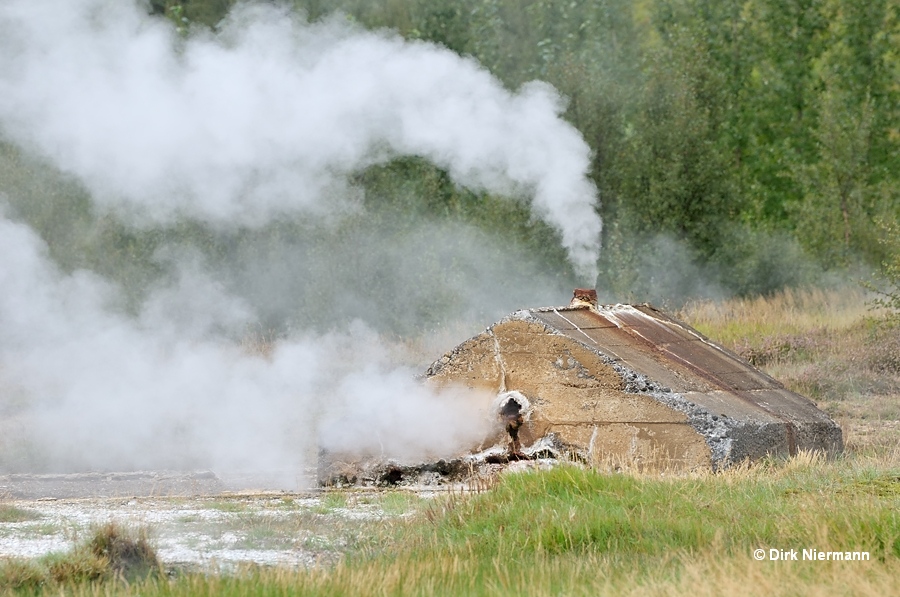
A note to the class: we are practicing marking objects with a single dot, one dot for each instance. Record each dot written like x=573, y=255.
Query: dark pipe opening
x=511, y=415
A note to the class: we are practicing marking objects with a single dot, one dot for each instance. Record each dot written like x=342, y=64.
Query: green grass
x=41, y=528
x=397, y=503
x=16, y=514
x=228, y=506
x=579, y=532
x=111, y=554
x=574, y=531
x=331, y=500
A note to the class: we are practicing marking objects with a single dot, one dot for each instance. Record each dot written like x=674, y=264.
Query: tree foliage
x=713, y=123
x=750, y=142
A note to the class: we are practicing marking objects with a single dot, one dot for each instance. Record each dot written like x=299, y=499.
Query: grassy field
x=571, y=531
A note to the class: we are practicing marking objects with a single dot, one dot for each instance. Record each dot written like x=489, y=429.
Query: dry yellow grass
x=710, y=574
x=788, y=312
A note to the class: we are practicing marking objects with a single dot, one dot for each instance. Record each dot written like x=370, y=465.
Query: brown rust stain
x=684, y=351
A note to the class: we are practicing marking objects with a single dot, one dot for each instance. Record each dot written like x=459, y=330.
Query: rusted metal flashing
x=623, y=318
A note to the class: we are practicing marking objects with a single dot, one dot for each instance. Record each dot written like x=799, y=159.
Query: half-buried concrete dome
x=629, y=383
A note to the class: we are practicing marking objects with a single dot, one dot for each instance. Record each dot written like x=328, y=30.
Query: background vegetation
x=740, y=147
x=755, y=141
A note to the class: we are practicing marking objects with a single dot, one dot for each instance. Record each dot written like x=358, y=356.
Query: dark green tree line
x=761, y=138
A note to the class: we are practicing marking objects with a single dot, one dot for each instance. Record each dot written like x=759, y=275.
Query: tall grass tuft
x=125, y=553
x=111, y=553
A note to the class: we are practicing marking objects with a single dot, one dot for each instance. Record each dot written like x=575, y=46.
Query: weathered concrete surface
x=630, y=384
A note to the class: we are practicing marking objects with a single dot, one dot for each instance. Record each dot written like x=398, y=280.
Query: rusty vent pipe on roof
x=584, y=297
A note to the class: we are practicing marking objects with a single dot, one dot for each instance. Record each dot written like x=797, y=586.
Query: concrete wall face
x=649, y=391
x=574, y=395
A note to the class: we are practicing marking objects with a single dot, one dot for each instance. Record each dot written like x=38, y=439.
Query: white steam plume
x=110, y=392
x=237, y=129
x=271, y=114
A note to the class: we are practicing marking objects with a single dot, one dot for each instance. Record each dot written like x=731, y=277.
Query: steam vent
x=627, y=383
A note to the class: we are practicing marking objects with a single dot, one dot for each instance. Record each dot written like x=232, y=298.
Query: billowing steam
x=264, y=119
x=115, y=392
x=272, y=114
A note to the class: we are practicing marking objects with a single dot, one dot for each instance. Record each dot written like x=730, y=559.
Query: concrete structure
x=628, y=383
